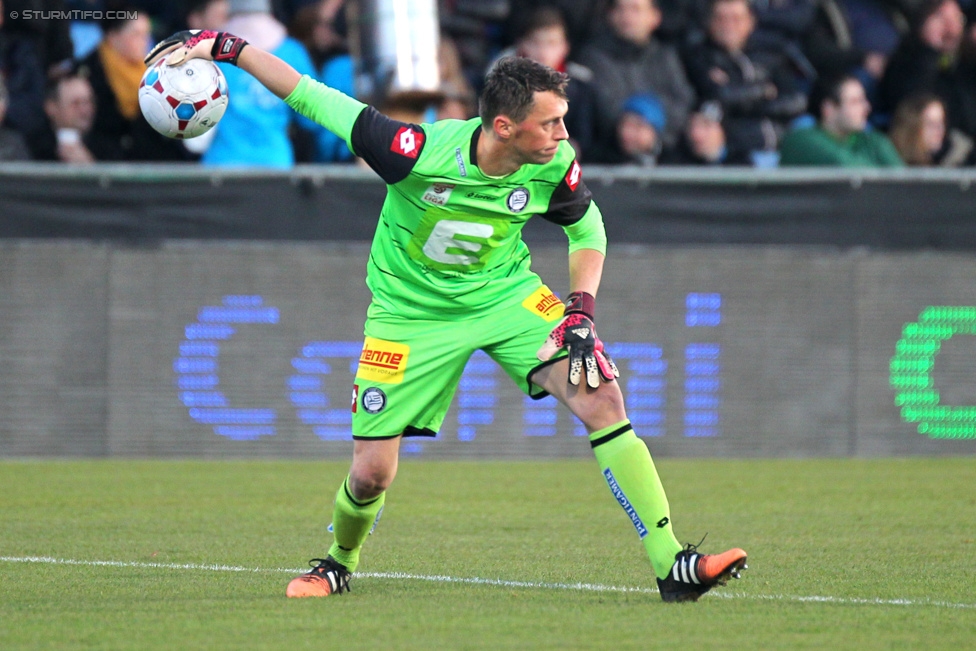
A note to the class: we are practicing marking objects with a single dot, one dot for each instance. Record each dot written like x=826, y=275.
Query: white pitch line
x=583, y=587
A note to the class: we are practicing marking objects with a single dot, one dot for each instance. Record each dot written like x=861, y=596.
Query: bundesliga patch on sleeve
x=407, y=142
x=544, y=303
x=573, y=176
x=382, y=361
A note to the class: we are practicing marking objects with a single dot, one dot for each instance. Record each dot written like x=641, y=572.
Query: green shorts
x=409, y=369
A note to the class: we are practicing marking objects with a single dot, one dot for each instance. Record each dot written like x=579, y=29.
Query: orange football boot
x=328, y=577
x=694, y=574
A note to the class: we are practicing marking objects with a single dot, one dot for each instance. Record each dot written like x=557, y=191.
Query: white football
x=183, y=101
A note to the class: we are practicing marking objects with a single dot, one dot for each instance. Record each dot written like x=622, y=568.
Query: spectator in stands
x=921, y=134
x=22, y=71
x=114, y=70
x=783, y=23
x=638, y=141
x=755, y=84
x=49, y=35
x=841, y=137
x=70, y=111
x=543, y=38
x=856, y=37
x=12, y=145
x=925, y=59
x=581, y=17
x=477, y=28
x=704, y=141
x=627, y=60
x=255, y=129
x=320, y=27
x=206, y=14
x=961, y=100
x=459, y=101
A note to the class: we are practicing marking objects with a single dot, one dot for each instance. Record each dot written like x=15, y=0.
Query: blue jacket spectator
x=255, y=129
x=321, y=28
x=336, y=72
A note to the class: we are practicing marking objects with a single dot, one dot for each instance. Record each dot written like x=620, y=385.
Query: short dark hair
x=713, y=3
x=121, y=12
x=52, y=92
x=511, y=84
x=922, y=12
x=540, y=18
x=612, y=4
x=828, y=89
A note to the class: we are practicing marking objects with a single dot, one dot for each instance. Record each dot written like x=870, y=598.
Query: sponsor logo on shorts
x=625, y=503
x=355, y=397
x=438, y=194
x=382, y=361
x=517, y=200
x=544, y=303
x=374, y=400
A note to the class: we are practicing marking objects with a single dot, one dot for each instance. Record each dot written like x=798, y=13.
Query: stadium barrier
x=130, y=329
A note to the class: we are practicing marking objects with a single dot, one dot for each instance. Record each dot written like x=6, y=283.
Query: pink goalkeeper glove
x=198, y=44
x=577, y=334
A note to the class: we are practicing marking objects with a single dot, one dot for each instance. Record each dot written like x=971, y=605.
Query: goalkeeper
x=449, y=275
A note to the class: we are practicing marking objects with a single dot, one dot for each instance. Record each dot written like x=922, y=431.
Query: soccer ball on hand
x=183, y=101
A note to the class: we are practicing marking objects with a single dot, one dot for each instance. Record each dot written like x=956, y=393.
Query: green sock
x=632, y=477
x=352, y=521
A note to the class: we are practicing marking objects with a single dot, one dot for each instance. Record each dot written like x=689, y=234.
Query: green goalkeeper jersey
x=448, y=242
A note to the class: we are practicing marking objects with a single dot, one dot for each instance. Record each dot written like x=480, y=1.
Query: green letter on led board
x=911, y=373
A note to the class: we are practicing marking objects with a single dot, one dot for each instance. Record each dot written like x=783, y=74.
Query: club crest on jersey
x=438, y=194
x=374, y=400
x=407, y=142
x=517, y=200
x=573, y=176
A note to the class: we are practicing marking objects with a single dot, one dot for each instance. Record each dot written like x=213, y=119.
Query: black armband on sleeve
x=390, y=147
x=570, y=200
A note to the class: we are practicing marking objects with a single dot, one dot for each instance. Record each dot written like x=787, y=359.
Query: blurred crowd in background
x=761, y=83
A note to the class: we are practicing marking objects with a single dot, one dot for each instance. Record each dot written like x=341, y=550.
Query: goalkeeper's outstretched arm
x=332, y=109
x=276, y=75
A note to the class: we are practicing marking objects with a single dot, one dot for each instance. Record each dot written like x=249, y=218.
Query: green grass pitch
x=843, y=554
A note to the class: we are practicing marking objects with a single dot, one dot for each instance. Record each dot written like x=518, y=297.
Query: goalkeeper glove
x=198, y=44
x=577, y=334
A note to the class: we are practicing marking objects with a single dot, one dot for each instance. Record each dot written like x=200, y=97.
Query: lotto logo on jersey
x=382, y=361
x=407, y=142
x=544, y=303
x=573, y=176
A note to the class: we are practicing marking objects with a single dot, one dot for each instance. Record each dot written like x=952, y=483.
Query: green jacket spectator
x=816, y=146
x=840, y=138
